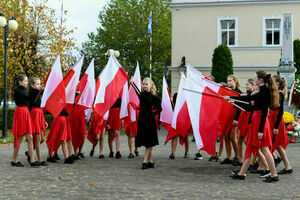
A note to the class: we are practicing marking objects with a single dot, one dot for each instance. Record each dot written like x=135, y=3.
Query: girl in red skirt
x=96, y=133
x=243, y=123
x=37, y=115
x=260, y=136
x=60, y=135
x=280, y=138
x=230, y=137
x=115, y=123
x=22, y=122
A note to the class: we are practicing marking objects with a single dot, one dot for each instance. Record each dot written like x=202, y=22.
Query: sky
x=82, y=14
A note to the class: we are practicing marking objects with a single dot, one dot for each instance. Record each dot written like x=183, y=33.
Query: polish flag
x=166, y=115
x=181, y=119
x=204, y=106
x=125, y=103
x=71, y=81
x=54, y=97
x=136, y=79
x=87, y=96
x=112, y=80
x=225, y=117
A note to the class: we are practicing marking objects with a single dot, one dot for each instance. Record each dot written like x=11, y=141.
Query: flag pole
x=151, y=44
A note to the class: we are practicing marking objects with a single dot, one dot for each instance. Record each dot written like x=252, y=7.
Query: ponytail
x=282, y=87
x=271, y=85
x=19, y=77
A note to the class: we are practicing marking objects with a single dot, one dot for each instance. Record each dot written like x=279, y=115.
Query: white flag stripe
x=88, y=94
x=125, y=101
x=54, y=79
x=167, y=112
x=180, y=99
x=72, y=85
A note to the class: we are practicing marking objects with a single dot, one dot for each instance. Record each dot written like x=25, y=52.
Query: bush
x=297, y=55
x=222, y=64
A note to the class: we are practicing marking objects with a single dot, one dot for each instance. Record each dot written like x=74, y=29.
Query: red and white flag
x=112, y=80
x=136, y=79
x=87, y=96
x=124, y=103
x=228, y=109
x=291, y=93
x=204, y=106
x=71, y=81
x=166, y=115
x=181, y=119
x=54, y=97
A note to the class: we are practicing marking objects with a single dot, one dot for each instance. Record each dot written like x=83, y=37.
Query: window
x=227, y=31
x=272, y=31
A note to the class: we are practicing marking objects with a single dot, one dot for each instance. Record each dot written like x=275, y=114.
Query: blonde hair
x=236, y=80
x=152, y=88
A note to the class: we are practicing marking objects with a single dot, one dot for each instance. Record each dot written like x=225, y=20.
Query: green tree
x=123, y=26
x=297, y=55
x=222, y=64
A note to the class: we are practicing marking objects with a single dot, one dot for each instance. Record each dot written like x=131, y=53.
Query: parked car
x=9, y=104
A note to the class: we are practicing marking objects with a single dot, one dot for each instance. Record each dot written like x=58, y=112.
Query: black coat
x=147, y=132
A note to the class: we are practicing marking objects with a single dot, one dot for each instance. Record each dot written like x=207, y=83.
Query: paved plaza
x=92, y=178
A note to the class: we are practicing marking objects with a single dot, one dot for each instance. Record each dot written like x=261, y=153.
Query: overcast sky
x=82, y=14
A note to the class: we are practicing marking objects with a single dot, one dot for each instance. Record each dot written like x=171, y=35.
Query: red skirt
x=131, y=129
x=253, y=143
x=282, y=137
x=243, y=125
x=38, y=120
x=78, y=127
x=22, y=123
x=114, y=120
x=60, y=131
x=229, y=124
x=96, y=127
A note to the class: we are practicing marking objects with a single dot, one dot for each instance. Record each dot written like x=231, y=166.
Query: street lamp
x=12, y=25
x=116, y=53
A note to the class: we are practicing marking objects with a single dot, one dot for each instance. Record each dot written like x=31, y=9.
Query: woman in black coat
x=147, y=129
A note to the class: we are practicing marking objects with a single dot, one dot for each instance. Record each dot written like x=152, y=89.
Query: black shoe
x=16, y=164
x=172, y=156
x=236, y=163
x=55, y=156
x=150, y=165
x=130, y=155
x=35, y=164
x=43, y=163
x=193, y=140
x=226, y=161
x=144, y=166
x=265, y=174
x=277, y=161
x=217, y=159
x=81, y=155
x=136, y=154
x=69, y=160
x=74, y=157
x=92, y=153
x=111, y=154
x=257, y=171
x=101, y=156
x=51, y=159
x=270, y=179
x=211, y=158
x=118, y=155
x=198, y=156
x=284, y=171
x=28, y=157
x=235, y=171
x=238, y=177
x=186, y=155
x=250, y=168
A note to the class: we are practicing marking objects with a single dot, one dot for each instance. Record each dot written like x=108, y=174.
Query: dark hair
x=269, y=81
x=19, y=77
x=282, y=84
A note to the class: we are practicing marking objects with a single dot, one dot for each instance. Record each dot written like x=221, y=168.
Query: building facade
x=252, y=29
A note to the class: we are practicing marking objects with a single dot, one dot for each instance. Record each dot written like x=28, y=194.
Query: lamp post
x=12, y=25
x=116, y=53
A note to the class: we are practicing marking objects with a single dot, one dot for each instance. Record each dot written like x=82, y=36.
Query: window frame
x=219, y=32
x=264, y=31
